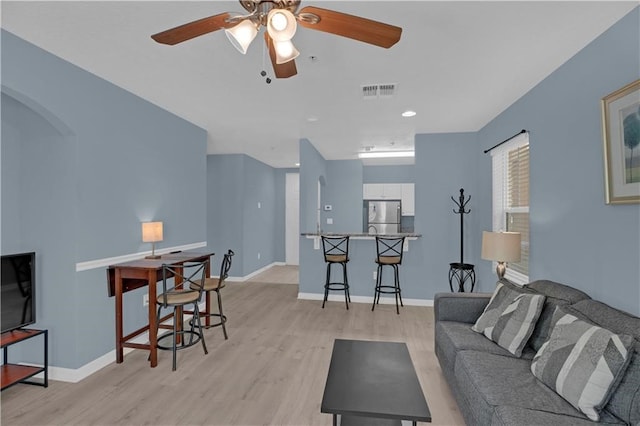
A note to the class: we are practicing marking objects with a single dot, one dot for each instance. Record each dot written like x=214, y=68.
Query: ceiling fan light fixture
x=281, y=24
x=285, y=51
x=242, y=35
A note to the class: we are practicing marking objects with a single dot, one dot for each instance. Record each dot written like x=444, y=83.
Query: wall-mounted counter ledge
x=315, y=236
x=359, y=235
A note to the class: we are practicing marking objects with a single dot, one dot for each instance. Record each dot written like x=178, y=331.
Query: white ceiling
x=458, y=64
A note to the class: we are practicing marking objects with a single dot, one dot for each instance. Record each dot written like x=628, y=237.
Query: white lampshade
x=501, y=246
x=281, y=24
x=151, y=232
x=242, y=35
x=285, y=51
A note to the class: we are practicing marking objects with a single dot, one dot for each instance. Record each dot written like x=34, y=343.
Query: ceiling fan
x=280, y=18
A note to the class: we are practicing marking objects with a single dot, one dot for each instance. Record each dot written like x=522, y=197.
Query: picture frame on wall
x=621, y=132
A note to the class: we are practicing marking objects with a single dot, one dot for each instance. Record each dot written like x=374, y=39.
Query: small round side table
x=461, y=272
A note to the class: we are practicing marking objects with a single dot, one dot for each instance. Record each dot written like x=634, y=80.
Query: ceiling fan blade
x=354, y=27
x=193, y=29
x=286, y=70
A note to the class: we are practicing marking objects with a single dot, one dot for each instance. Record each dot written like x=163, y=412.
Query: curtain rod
x=505, y=141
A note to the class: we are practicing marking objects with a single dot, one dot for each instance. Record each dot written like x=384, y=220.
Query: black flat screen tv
x=18, y=291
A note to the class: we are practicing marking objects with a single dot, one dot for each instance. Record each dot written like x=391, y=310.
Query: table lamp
x=152, y=233
x=501, y=247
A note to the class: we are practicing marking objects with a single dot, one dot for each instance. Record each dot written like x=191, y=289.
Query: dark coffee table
x=373, y=383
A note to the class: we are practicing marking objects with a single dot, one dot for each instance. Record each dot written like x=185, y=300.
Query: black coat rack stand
x=461, y=272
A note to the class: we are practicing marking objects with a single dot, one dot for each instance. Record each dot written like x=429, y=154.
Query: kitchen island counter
x=362, y=268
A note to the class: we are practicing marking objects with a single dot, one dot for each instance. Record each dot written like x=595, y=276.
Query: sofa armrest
x=460, y=307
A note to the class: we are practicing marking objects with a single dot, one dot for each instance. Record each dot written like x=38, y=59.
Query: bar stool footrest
x=223, y=320
x=182, y=345
x=336, y=286
x=387, y=289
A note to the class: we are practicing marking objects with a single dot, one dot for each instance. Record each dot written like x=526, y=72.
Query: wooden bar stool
x=389, y=253
x=336, y=252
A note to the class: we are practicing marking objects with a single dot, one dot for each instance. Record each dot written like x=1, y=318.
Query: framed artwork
x=621, y=131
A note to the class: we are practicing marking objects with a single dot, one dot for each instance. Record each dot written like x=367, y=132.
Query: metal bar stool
x=186, y=289
x=389, y=253
x=216, y=285
x=336, y=251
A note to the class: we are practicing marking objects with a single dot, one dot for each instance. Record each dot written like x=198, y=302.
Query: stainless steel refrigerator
x=382, y=217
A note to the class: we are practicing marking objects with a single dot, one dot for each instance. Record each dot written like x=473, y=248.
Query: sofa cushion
x=460, y=307
x=557, y=295
x=506, y=415
x=625, y=400
x=453, y=337
x=509, y=318
x=484, y=377
x=610, y=318
x=582, y=362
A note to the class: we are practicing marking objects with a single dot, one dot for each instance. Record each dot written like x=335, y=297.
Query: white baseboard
x=74, y=375
x=254, y=273
x=365, y=299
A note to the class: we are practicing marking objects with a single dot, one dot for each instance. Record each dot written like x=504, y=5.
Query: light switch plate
x=329, y=221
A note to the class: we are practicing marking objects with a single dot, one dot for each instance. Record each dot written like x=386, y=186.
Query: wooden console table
x=127, y=276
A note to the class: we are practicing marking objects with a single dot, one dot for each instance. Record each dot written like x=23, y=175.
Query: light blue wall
x=245, y=204
x=312, y=168
x=444, y=164
x=575, y=237
x=259, y=215
x=425, y=266
x=225, y=204
x=38, y=211
x=107, y=161
x=343, y=193
x=388, y=174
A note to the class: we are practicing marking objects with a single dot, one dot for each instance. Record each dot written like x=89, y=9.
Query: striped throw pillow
x=582, y=362
x=510, y=317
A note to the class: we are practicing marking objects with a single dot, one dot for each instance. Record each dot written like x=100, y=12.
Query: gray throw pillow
x=509, y=318
x=625, y=398
x=582, y=362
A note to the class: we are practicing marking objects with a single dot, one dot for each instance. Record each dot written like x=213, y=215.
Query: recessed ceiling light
x=312, y=119
x=386, y=154
x=297, y=164
x=408, y=113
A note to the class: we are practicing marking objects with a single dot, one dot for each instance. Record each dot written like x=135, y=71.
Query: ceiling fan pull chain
x=264, y=72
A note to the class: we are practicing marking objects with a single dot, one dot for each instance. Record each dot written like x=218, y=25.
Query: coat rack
x=460, y=271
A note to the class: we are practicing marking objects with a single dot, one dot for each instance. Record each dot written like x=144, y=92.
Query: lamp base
x=153, y=256
x=500, y=270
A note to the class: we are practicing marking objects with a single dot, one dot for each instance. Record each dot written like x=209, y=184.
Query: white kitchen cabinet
x=373, y=191
x=382, y=191
x=408, y=199
x=392, y=191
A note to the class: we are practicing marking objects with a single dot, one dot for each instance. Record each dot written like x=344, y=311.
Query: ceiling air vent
x=377, y=91
x=370, y=91
x=386, y=90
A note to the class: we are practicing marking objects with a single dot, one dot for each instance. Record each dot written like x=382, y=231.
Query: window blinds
x=510, y=163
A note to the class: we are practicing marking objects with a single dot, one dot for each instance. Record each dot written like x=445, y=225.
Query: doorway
x=292, y=218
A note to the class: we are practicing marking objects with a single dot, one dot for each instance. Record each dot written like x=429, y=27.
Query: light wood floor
x=271, y=371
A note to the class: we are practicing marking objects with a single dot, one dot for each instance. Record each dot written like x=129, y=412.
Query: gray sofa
x=493, y=387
